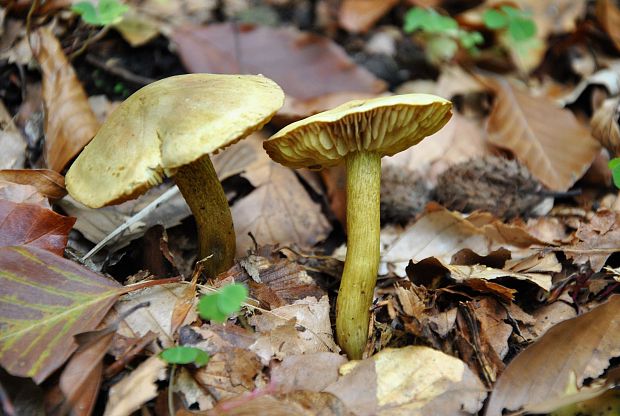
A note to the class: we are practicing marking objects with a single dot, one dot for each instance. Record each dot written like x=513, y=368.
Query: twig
x=89, y=41
x=119, y=72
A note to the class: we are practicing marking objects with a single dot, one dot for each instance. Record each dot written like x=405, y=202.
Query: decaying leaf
x=158, y=316
x=22, y=194
x=309, y=372
x=582, y=345
x=261, y=212
x=48, y=182
x=605, y=126
x=360, y=15
x=69, y=121
x=13, y=144
x=33, y=226
x=598, y=239
x=608, y=15
x=137, y=388
x=548, y=140
x=45, y=300
x=409, y=381
x=301, y=328
x=298, y=403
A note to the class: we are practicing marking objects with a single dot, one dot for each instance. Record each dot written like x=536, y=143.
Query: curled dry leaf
x=33, y=226
x=137, y=388
x=277, y=191
x=605, y=127
x=582, y=346
x=409, y=381
x=550, y=141
x=46, y=301
x=47, y=182
x=358, y=16
x=13, y=143
x=69, y=120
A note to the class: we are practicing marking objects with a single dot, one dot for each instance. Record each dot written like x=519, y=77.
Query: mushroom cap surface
x=386, y=125
x=165, y=125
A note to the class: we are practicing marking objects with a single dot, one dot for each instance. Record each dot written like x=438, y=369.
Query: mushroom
x=359, y=133
x=169, y=128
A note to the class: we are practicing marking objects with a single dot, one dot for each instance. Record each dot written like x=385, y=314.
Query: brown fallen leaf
x=409, y=381
x=22, y=194
x=13, y=143
x=550, y=141
x=278, y=192
x=33, y=226
x=48, y=182
x=46, y=300
x=597, y=239
x=605, y=127
x=287, y=56
x=608, y=15
x=582, y=346
x=309, y=372
x=298, y=403
x=358, y=16
x=300, y=328
x=137, y=388
x=69, y=121
x=81, y=378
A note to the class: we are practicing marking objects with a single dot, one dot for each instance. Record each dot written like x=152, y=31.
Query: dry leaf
x=550, y=141
x=137, y=388
x=582, y=346
x=300, y=328
x=279, y=210
x=13, y=144
x=25, y=194
x=48, y=182
x=605, y=127
x=608, y=15
x=358, y=16
x=460, y=140
x=309, y=372
x=69, y=121
x=409, y=381
x=158, y=316
x=305, y=65
x=298, y=403
x=597, y=240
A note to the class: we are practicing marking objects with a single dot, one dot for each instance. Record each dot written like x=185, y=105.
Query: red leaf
x=33, y=226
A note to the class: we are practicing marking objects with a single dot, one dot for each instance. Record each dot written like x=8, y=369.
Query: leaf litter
x=471, y=309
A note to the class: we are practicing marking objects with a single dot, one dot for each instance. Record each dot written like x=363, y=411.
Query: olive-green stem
x=362, y=261
x=203, y=193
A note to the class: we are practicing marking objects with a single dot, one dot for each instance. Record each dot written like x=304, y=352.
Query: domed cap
x=386, y=125
x=165, y=125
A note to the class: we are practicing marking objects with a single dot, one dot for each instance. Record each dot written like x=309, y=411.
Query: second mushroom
x=359, y=133
x=169, y=128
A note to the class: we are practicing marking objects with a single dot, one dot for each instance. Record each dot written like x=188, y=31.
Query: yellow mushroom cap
x=165, y=125
x=386, y=125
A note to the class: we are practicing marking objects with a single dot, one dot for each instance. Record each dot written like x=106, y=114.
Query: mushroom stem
x=203, y=193
x=362, y=261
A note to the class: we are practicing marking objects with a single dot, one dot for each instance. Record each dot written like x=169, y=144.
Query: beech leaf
x=44, y=301
x=33, y=226
x=582, y=345
x=70, y=122
x=549, y=140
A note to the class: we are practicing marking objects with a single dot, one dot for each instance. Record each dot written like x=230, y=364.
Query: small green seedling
x=517, y=24
x=217, y=307
x=223, y=303
x=185, y=355
x=442, y=33
x=106, y=12
x=614, y=166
